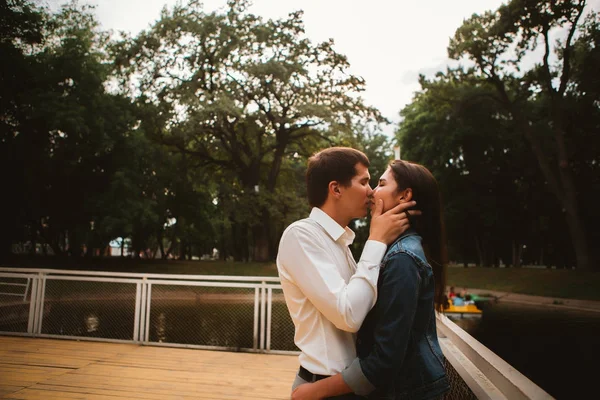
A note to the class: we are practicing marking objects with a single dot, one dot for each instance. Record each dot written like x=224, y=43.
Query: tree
x=22, y=26
x=243, y=95
x=467, y=141
x=497, y=43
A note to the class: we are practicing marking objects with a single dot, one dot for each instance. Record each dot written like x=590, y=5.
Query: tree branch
x=564, y=78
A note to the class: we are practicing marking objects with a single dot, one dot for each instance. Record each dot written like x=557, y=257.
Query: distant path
x=573, y=304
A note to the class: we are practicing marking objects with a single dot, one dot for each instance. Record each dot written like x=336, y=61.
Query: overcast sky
x=388, y=42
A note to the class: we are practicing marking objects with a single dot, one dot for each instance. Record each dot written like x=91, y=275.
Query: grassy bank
x=118, y=264
x=584, y=285
x=568, y=284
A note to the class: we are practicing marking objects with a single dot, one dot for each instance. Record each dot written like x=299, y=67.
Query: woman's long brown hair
x=430, y=225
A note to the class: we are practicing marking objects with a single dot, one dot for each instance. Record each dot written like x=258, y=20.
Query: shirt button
x=358, y=341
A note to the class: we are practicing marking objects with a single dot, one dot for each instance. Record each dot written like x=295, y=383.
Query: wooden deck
x=47, y=369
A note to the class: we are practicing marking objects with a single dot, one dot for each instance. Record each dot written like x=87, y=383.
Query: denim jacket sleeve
x=397, y=303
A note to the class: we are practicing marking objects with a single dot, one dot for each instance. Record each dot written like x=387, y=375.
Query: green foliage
x=468, y=126
x=190, y=136
x=194, y=134
x=244, y=97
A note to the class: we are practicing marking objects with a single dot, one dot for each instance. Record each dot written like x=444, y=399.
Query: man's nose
x=369, y=191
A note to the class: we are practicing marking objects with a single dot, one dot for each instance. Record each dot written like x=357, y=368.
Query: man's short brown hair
x=332, y=164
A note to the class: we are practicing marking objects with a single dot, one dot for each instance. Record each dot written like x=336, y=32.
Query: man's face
x=356, y=198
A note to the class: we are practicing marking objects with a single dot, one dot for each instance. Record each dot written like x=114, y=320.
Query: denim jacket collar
x=407, y=233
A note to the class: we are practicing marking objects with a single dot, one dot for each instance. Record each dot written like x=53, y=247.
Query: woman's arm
x=328, y=387
x=396, y=308
x=397, y=304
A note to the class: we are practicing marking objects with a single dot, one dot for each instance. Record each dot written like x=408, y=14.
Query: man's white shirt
x=327, y=293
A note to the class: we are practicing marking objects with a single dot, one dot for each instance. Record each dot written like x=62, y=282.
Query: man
x=327, y=293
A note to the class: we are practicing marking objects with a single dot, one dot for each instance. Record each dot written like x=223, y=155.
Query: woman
x=399, y=355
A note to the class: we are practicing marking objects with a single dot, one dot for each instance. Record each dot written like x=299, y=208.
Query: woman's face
x=387, y=190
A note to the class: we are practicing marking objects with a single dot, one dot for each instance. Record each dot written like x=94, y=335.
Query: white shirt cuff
x=373, y=253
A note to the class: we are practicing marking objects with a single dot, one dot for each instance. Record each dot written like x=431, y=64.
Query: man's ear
x=334, y=189
x=405, y=195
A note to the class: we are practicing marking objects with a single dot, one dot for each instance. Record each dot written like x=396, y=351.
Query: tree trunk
x=563, y=186
x=276, y=166
x=182, y=249
x=261, y=243
x=223, y=246
x=173, y=241
x=480, y=251
x=240, y=240
x=33, y=246
x=5, y=242
x=517, y=251
x=579, y=239
x=74, y=245
x=161, y=246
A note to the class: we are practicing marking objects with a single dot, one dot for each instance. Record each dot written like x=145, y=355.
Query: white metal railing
x=18, y=285
x=486, y=375
x=144, y=283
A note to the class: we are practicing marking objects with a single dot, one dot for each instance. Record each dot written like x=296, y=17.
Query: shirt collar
x=333, y=229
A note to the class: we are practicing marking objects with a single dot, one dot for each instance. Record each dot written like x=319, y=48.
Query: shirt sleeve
x=397, y=304
x=305, y=261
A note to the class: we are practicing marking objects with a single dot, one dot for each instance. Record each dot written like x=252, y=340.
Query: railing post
x=42, y=290
x=38, y=304
x=32, y=306
x=269, y=308
x=142, y=320
x=148, y=302
x=136, y=318
x=27, y=289
x=256, y=308
x=262, y=315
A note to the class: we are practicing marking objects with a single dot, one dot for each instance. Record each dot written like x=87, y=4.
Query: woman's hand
x=306, y=391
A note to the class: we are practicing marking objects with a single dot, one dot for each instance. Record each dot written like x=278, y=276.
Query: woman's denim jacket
x=399, y=356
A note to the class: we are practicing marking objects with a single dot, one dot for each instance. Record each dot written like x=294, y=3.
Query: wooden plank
x=36, y=369
x=88, y=392
x=77, y=350
x=31, y=368
x=65, y=361
x=193, y=374
x=8, y=389
x=221, y=386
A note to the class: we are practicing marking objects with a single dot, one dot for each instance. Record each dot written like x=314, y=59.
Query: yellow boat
x=464, y=311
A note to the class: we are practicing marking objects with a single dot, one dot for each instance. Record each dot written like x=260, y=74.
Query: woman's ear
x=405, y=195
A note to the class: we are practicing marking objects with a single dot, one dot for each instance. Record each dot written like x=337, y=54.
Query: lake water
x=556, y=348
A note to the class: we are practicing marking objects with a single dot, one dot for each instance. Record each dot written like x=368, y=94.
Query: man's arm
x=305, y=261
x=308, y=264
x=399, y=296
